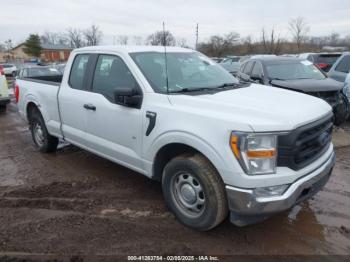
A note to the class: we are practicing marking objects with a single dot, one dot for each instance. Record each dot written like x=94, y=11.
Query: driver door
x=115, y=131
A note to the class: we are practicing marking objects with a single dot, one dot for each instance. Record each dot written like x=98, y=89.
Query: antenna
x=166, y=59
x=196, y=47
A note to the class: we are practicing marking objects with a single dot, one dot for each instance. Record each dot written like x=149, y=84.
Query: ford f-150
x=217, y=146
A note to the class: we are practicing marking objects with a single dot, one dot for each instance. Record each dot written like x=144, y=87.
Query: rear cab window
x=78, y=71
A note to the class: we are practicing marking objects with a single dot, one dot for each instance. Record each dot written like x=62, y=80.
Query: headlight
x=256, y=153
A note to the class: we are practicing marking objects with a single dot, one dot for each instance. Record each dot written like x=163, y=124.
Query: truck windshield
x=294, y=70
x=186, y=71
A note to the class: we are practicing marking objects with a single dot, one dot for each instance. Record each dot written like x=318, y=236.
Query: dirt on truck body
x=75, y=204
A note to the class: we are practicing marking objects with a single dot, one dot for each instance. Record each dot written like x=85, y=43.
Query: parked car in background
x=341, y=68
x=4, y=92
x=324, y=61
x=217, y=59
x=297, y=75
x=231, y=64
x=60, y=67
x=38, y=72
x=217, y=146
x=9, y=69
x=231, y=59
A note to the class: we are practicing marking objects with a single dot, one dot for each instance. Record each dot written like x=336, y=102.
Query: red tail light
x=2, y=71
x=17, y=93
x=322, y=65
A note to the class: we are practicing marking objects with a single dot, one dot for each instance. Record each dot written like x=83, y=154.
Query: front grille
x=304, y=145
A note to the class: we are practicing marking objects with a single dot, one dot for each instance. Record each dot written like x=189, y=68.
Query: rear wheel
x=194, y=192
x=41, y=137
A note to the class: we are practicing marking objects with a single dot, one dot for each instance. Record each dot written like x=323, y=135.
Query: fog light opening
x=270, y=191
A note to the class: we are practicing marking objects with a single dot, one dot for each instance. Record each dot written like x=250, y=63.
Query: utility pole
x=196, y=37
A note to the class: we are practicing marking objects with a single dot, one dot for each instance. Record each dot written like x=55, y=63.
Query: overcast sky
x=18, y=18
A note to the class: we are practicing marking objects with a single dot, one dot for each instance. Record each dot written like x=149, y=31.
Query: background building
x=49, y=53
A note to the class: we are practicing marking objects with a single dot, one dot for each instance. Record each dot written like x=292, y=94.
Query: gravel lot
x=73, y=203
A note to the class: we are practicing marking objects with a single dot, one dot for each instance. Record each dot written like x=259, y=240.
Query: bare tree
x=8, y=45
x=182, y=42
x=161, y=38
x=299, y=29
x=223, y=44
x=272, y=43
x=53, y=38
x=249, y=45
x=123, y=39
x=75, y=38
x=137, y=40
x=93, y=35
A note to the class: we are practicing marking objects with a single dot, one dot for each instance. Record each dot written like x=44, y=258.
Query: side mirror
x=127, y=96
x=257, y=78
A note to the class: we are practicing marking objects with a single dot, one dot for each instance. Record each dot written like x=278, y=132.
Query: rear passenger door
x=72, y=98
x=114, y=130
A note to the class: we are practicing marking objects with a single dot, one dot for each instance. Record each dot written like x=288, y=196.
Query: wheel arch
x=30, y=108
x=173, y=145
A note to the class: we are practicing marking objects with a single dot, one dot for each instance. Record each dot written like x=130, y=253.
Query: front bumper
x=246, y=208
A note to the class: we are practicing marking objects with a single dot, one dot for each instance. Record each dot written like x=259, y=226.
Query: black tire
x=46, y=143
x=3, y=108
x=215, y=207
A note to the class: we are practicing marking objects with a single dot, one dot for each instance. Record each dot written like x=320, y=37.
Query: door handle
x=90, y=107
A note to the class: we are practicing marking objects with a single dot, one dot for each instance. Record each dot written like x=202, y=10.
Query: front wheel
x=42, y=139
x=194, y=192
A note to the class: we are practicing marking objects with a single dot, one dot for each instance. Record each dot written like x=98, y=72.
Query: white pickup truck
x=216, y=145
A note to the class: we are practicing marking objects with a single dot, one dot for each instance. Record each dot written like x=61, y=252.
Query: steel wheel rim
x=38, y=134
x=188, y=194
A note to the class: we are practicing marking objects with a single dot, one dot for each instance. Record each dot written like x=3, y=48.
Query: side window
x=242, y=67
x=248, y=67
x=344, y=65
x=77, y=74
x=257, y=70
x=111, y=72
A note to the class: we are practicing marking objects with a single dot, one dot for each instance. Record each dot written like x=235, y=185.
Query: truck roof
x=132, y=49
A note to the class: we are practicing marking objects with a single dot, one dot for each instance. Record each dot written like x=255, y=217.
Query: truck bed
x=44, y=90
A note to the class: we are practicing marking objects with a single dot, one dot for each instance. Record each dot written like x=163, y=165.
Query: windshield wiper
x=225, y=85
x=199, y=89
x=188, y=90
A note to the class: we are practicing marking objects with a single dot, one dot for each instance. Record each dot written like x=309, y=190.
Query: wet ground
x=73, y=203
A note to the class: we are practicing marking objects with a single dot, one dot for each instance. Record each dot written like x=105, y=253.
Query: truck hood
x=309, y=85
x=255, y=108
